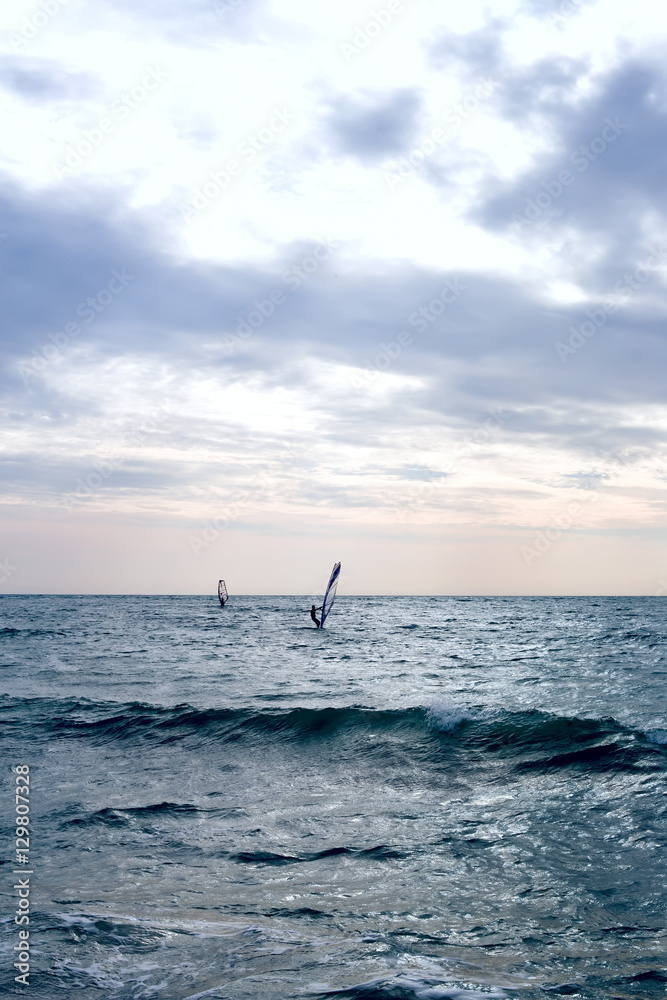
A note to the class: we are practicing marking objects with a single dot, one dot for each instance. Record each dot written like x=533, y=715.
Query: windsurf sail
x=223, y=596
x=330, y=595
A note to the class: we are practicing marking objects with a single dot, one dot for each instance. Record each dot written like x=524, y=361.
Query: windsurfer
x=313, y=615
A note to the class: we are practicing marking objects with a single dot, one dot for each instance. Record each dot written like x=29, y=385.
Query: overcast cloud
x=273, y=269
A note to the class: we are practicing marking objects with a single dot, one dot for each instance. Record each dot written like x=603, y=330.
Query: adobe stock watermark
x=225, y=7
x=419, y=319
x=598, y=316
x=213, y=528
x=452, y=120
x=562, y=523
x=137, y=437
x=662, y=588
x=292, y=278
x=581, y=158
x=558, y=18
x=219, y=181
x=88, y=310
x=481, y=436
x=22, y=834
x=7, y=569
x=78, y=151
x=366, y=33
x=33, y=23
x=544, y=540
x=257, y=488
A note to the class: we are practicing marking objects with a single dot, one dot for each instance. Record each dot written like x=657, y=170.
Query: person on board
x=313, y=615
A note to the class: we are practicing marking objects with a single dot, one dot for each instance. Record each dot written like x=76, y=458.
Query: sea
x=431, y=797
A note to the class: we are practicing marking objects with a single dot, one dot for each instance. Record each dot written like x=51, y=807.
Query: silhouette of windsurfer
x=314, y=616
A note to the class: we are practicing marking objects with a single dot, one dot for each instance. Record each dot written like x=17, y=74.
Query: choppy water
x=432, y=797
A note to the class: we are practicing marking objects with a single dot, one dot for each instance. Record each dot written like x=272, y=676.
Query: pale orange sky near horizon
x=104, y=555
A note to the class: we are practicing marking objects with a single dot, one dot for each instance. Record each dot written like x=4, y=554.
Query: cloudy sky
x=293, y=282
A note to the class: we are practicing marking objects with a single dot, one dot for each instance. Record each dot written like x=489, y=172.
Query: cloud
x=560, y=9
x=479, y=52
x=203, y=23
x=374, y=126
x=248, y=355
x=543, y=91
x=40, y=80
x=493, y=344
x=600, y=185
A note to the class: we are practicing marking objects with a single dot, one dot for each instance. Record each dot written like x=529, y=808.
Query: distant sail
x=330, y=595
x=223, y=596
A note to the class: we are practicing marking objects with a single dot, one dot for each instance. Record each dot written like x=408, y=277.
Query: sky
x=290, y=283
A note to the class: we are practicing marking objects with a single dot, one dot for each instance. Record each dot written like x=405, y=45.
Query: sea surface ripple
x=432, y=797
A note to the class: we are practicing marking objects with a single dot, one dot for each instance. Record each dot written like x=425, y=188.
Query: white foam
x=446, y=716
x=656, y=736
x=206, y=993
x=427, y=987
x=456, y=993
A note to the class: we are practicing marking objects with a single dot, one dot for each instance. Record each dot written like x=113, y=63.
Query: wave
x=121, y=817
x=27, y=633
x=413, y=985
x=528, y=740
x=445, y=716
x=380, y=853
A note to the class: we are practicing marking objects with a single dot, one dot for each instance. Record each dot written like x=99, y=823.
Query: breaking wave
x=527, y=740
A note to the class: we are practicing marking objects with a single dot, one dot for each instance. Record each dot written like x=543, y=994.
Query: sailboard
x=223, y=596
x=330, y=595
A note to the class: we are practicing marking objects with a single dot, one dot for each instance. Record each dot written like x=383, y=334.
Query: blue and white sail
x=330, y=595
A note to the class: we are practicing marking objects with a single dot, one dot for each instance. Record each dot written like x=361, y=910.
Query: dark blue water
x=432, y=797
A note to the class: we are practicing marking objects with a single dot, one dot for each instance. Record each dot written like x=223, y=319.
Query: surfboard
x=330, y=595
x=223, y=596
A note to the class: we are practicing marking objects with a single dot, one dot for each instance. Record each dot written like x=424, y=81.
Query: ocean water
x=430, y=798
